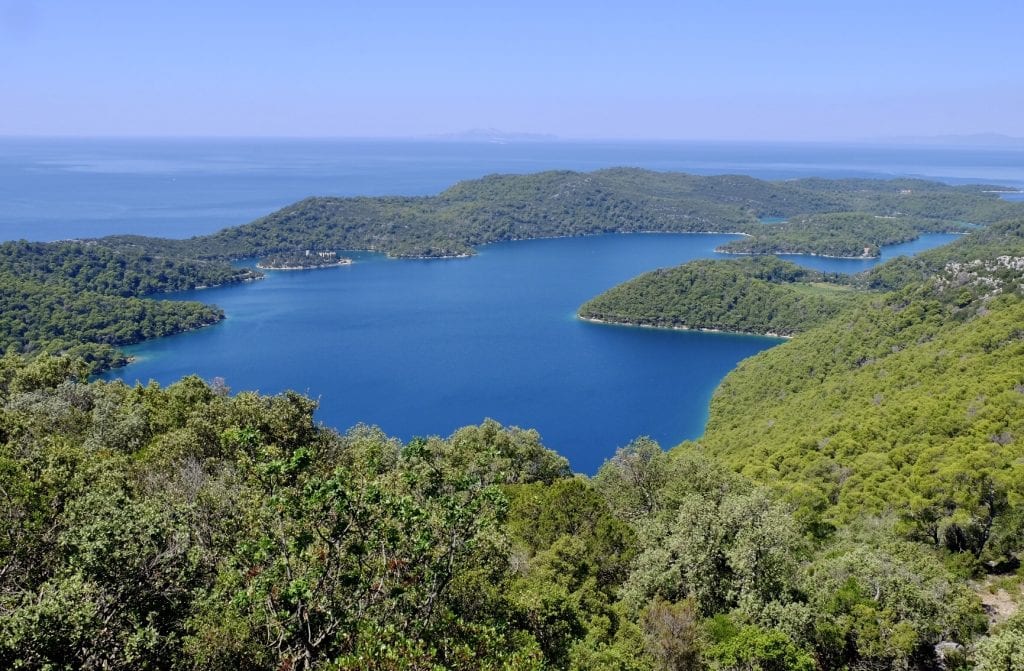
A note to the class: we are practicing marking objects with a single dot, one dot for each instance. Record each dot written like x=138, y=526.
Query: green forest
x=838, y=234
x=761, y=295
x=549, y=204
x=85, y=299
x=856, y=501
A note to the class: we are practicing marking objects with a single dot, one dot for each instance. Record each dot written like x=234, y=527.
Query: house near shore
x=323, y=255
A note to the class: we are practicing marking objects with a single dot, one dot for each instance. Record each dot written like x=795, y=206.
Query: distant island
x=493, y=135
x=500, y=208
x=307, y=260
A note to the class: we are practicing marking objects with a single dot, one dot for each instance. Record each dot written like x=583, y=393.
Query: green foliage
x=911, y=405
x=1002, y=651
x=886, y=605
x=127, y=272
x=725, y=551
x=837, y=234
x=516, y=207
x=572, y=555
x=180, y=527
x=756, y=649
x=84, y=299
x=60, y=319
x=1002, y=238
x=633, y=478
x=762, y=295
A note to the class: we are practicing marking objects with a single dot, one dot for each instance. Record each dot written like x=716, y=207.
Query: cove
x=422, y=347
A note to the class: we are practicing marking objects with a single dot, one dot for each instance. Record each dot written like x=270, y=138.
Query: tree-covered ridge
x=758, y=295
x=1001, y=238
x=837, y=234
x=563, y=203
x=86, y=299
x=912, y=406
x=183, y=527
x=96, y=267
x=974, y=203
x=36, y=315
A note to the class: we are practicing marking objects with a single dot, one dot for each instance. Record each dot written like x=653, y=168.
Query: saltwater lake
x=423, y=347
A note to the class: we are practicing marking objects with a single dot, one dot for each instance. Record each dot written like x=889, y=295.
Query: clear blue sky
x=769, y=70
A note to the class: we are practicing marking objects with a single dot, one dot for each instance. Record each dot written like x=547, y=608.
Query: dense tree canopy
x=854, y=490
x=761, y=295
x=183, y=527
x=837, y=234
x=548, y=204
x=910, y=405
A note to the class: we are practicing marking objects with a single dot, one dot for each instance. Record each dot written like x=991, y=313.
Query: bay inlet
x=422, y=347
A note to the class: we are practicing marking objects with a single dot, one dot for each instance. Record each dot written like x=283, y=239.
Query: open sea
x=423, y=347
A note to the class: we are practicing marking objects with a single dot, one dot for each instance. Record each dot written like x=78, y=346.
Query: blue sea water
x=423, y=347
x=59, y=188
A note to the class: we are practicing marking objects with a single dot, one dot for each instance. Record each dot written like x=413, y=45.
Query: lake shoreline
x=342, y=262
x=595, y=320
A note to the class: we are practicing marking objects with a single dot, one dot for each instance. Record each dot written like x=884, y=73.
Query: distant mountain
x=494, y=135
x=970, y=140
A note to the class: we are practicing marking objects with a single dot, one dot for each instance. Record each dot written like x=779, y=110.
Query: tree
x=756, y=649
x=673, y=635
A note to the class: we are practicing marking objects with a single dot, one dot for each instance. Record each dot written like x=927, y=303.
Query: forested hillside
x=96, y=267
x=912, y=406
x=183, y=527
x=548, y=204
x=85, y=299
x=762, y=296
x=838, y=234
x=1001, y=238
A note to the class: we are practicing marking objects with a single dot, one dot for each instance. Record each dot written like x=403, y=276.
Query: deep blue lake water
x=423, y=347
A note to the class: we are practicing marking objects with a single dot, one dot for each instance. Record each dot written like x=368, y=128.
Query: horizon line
x=987, y=139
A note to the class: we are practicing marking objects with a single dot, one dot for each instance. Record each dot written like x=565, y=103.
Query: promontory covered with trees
x=762, y=295
x=856, y=502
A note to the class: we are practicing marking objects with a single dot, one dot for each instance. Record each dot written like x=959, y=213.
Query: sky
x=771, y=70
